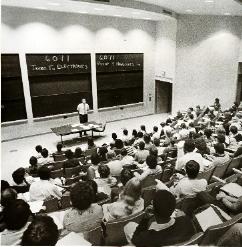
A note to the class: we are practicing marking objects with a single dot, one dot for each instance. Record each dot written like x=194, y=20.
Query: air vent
x=167, y=12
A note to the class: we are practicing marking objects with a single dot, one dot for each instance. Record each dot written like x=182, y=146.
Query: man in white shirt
x=83, y=109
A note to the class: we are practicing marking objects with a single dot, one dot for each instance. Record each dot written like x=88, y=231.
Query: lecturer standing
x=83, y=109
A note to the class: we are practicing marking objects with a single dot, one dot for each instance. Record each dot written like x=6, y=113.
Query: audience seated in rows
x=141, y=154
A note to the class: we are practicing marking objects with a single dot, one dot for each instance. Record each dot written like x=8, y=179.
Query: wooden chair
x=195, y=239
x=206, y=174
x=114, y=230
x=56, y=174
x=94, y=236
x=213, y=233
x=219, y=171
x=73, y=171
x=51, y=205
x=148, y=196
x=235, y=163
x=150, y=180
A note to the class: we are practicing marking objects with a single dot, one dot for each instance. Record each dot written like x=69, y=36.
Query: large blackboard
x=58, y=82
x=119, y=79
x=12, y=101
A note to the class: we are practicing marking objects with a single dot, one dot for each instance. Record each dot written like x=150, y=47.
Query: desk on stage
x=75, y=128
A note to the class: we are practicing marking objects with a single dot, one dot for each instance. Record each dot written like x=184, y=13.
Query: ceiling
x=200, y=7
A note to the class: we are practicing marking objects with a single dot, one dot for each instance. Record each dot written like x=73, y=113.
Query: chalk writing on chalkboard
x=58, y=63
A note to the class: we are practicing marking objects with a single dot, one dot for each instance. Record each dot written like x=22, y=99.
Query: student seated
x=155, y=134
x=184, y=132
x=125, y=158
x=114, y=165
x=216, y=105
x=125, y=138
x=71, y=160
x=129, y=203
x=59, y=151
x=33, y=168
x=143, y=129
x=91, y=145
x=99, y=196
x=171, y=150
x=148, y=143
x=208, y=137
x=141, y=154
x=16, y=216
x=21, y=180
x=134, y=136
x=159, y=228
x=235, y=134
x=102, y=152
x=78, y=153
x=45, y=159
x=38, y=150
x=41, y=232
x=114, y=138
x=139, y=139
x=190, y=185
x=220, y=157
x=84, y=214
x=45, y=188
x=118, y=146
x=92, y=171
x=201, y=146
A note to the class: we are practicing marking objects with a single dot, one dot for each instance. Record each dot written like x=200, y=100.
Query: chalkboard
x=119, y=79
x=50, y=64
x=12, y=101
x=58, y=82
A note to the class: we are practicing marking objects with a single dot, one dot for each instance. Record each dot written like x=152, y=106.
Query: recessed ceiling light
x=227, y=13
x=189, y=10
x=147, y=18
x=209, y=1
x=99, y=9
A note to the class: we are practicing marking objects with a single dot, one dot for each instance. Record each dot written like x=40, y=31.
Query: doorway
x=163, y=96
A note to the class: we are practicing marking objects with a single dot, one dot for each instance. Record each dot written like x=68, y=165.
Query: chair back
x=235, y=163
x=51, y=205
x=59, y=157
x=219, y=171
x=73, y=180
x=94, y=236
x=213, y=233
x=57, y=165
x=206, y=174
x=150, y=180
x=167, y=174
x=65, y=201
x=114, y=232
x=148, y=196
x=194, y=240
x=73, y=171
x=91, y=151
x=56, y=174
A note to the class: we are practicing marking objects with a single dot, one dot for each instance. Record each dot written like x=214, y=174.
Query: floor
x=15, y=153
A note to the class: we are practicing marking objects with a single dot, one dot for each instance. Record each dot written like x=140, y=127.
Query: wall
x=207, y=60
x=40, y=31
x=240, y=54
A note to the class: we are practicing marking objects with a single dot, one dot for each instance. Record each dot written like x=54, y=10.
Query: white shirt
x=83, y=108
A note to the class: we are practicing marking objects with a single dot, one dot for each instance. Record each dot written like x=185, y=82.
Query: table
x=75, y=128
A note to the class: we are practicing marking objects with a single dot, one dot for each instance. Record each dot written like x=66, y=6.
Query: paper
x=208, y=218
x=74, y=130
x=36, y=206
x=58, y=218
x=73, y=239
x=232, y=189
x=225, y=215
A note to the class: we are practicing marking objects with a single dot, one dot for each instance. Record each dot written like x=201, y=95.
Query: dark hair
x=41, y=232
x=82, y=195
x=201, y=146
x=189, y=145
x=59, y=146
x=33, y=161
x=141, y=145
x=114, y=136
x=154, y=151
x=94, y=186
x=157, y=142
x=219, y=148
x=104, y=171
x=119, y=144
x=69, y=154
x=155, y=128
x=38, y=148
x=44, y=152
x=142, y=127
x=183, y=126
x=221, y=138
x=4, y=185
x=134, y=133
x=208, y=133
x=95, y=159
x=44, y=173
x=102, y=152
x=151, y=161
x=124, y=152
x=16, y=214
x=78, y=152
x=18, y=175
x=90, y=142
x=234, y=129
x=125, y=175
x=164, y=204
x=125, y=132
x=8, y=196
x=140, y=134
x=192, y=169
x=147, y=138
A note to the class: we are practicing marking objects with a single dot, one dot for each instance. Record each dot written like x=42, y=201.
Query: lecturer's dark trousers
x=83, y=119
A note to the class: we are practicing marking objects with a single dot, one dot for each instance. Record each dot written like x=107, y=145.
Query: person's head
x=125, y=132
x=140, y=134
x=41, y=232
x=33, y=161
x=190, y=116
x=221, y=138
x=183, y=126
x=217, y=100
x=38, y=148
x=142, y=128
x=162, y=124
x=45, y=153
x=124, y=152
x=114, y=136
x=151, y=161
x=18, y=175
x=44, y=173
x=4, y=185
x=233, y=130
x=191, y=125
x=16, y=214
x=157, y=142
x=104, y=171
x=78, y=152
x=208, y=133
x=90, y=142
x=134, y=133
x=198, y=107
x=154, y=151
x=111, y=155
x=147, y=138
x=82, y=195
x=125, y=175
x=94, y=186
x=219, y=148
x=189, y=146
x=192, y=169
x=155, y=129
x=119, y=144
x=8, y=196
x=102, y=151
x=201, y=145
x=95, y=159
x=59, y=147
x=141, y=145
x=84, y=101
x=69, y=154
x=168, y=121
x=132, y=191
x=164, y=204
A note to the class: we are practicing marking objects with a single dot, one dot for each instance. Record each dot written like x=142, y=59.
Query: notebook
x=232, y=189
